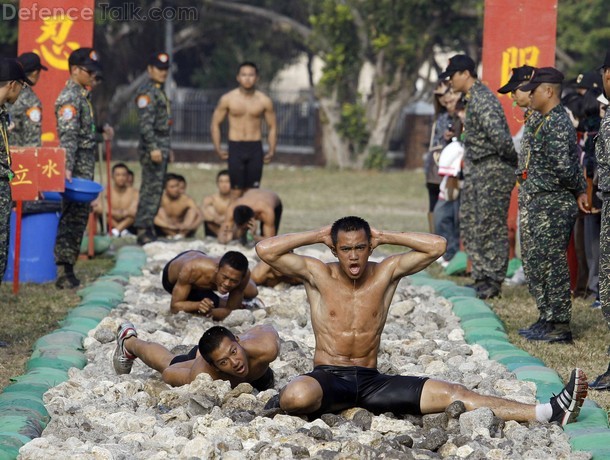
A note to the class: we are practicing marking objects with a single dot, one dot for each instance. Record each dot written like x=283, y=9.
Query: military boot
x=66, y=278
x=533, y=328
x=553, y=333
x=489, y=289
x=475, y=285
x=602, y=382
x=145, y=236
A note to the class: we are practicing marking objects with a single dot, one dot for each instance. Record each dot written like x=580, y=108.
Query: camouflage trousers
x=604, y=260
x=5, y=215
x=545, y=222
x=151, y=189
x=483, y=217
x=74, y=215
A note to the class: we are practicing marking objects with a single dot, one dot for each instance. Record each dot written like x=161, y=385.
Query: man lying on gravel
x=220, y=354
x=349, y=302
x=192, y=277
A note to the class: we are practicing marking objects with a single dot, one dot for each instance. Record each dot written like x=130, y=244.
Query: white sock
x=544, y=412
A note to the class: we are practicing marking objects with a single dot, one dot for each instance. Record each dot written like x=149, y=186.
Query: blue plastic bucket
x=37, y=261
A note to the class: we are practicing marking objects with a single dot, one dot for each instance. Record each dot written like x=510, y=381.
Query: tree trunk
x=389, y=95
x=382, y=123
x=334, y=147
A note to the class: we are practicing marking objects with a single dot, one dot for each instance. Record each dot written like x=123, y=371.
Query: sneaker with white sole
x=566, y=405
x=122, y=360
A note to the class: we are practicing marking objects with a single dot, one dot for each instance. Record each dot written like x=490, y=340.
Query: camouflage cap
x=458, y=63
x=587, y=80
x=159, y=60
x=520, y=75
x=543, y=75
x=30, y=62
x=87, y=58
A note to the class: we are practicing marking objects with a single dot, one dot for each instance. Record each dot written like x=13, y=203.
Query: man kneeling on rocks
x=192, y=277
x=220, y=354
x=349, y=302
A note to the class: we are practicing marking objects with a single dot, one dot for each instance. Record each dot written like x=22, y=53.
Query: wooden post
x=16, y=259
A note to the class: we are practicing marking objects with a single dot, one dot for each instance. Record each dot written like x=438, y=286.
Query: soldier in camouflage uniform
x=154, y=148
x=12, y=80
x=552, y=190
x=26, y=113
x=602, y=153
x=489, y=164
x=77, y=134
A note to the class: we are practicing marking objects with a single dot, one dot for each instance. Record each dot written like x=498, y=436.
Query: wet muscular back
x=195, y=269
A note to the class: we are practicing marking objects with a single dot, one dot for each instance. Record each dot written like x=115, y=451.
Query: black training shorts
x=353, y=386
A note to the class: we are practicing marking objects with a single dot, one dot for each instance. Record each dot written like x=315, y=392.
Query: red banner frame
x=516, y=33
x=53, y=32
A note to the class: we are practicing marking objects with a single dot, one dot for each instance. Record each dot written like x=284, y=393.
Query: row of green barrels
x=23, y=415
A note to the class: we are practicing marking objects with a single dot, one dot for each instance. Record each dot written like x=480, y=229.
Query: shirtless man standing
x=349, y=302
x=256, y=205
x=178, y=216
x=214, y=207
x=246, y=107
x=220, y=354
x=124, y=199
x=192, y=277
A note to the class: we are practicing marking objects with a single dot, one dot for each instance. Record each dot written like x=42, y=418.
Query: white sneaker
x=126, y=232
x=122, y=360
x=115, y=233
x=517, y=279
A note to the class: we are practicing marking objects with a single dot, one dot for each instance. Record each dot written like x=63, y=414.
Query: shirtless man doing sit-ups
x=349, y=302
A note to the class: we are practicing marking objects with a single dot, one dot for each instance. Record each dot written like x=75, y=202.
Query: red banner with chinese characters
x=37, y=169
x=516, y=33
x=53, y=30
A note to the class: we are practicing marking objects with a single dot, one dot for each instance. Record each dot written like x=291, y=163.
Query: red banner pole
x=91, y=233
x=108, y=183
x=18, y=214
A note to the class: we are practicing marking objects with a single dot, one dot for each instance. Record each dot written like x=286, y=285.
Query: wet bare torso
x=246, y=111
x=220, y=204
x=176, y=210
x=348, y=316
x=122, y=200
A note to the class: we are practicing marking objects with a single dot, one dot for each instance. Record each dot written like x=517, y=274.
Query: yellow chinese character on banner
x=21, y=176
x=50, y=169
x=517, y=57
x=54, y=45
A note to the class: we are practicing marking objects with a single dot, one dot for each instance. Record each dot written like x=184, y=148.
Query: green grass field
x=312, y=198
